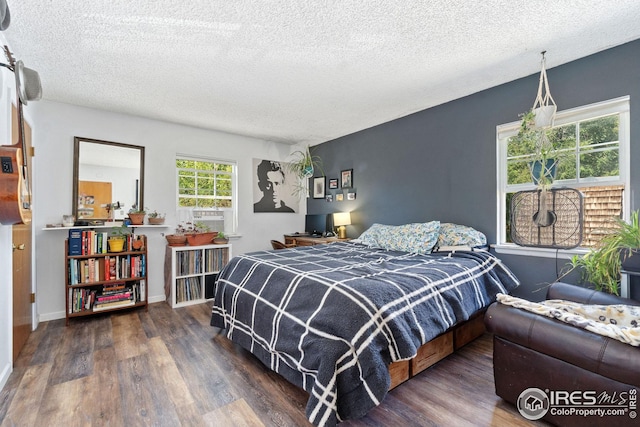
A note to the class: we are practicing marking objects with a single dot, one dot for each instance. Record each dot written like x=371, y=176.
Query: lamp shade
x=341, y=218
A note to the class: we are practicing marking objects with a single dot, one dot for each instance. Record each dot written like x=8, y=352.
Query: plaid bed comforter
x=330, y=318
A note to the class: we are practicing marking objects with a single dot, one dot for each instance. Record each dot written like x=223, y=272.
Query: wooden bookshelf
x=191, y=271
x=99, y=281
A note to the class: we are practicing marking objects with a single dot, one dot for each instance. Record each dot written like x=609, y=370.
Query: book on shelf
x=114, y=297
x=114, y=304
x=75, y=241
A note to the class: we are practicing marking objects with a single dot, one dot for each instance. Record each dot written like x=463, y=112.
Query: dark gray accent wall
x=440, y=163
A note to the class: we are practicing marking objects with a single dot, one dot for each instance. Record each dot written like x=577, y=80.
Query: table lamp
x=341, y=219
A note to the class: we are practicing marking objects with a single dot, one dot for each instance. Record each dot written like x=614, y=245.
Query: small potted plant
x=117, y=238
x=221, y=239
x=136, y=215
x=155, y=218
x=198, y=233
x=178, y=238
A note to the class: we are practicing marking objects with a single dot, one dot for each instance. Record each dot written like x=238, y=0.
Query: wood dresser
x=307, y=240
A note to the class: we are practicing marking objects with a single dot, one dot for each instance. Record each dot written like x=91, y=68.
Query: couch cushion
x=593, y=352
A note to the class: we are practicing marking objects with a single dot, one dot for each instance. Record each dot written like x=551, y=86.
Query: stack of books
x=114, y=296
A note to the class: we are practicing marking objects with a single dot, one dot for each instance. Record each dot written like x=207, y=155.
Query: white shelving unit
x=190, y=272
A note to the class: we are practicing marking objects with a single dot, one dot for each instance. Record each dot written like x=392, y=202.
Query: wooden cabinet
x=190, y=272
x=98, y=281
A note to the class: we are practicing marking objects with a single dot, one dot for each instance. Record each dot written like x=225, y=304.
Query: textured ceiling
x=299, y=71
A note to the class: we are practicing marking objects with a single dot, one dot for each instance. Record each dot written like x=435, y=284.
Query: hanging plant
x=303, y=165
x=544, y=107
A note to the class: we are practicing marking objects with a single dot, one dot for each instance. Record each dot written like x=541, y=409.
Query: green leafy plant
x=136, y=210
x=155, y=214
x=192, y=228
x=545, y=153
x=601, y=266
x=303, y=165
x=119, y=232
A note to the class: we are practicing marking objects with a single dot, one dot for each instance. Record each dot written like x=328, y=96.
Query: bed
x=332, y=318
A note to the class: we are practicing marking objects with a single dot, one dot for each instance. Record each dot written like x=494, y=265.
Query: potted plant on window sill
x=221, y=239
x=197, y=233
x=176, y=239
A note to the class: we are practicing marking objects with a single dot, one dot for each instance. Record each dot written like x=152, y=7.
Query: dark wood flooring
x=168, y=367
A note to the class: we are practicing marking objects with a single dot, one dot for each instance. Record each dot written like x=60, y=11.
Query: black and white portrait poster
x=273, y=187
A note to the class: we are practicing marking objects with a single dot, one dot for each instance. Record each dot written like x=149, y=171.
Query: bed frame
x=437, y=349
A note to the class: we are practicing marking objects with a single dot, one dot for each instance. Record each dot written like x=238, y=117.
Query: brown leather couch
x=534, y=351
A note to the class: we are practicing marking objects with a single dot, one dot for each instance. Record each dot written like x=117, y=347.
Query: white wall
x=7, y=93
x=56, y=126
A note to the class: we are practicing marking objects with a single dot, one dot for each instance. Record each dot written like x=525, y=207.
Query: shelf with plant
x=192, y=233
x=118, y=238
x=136, y=215
x=155, y=218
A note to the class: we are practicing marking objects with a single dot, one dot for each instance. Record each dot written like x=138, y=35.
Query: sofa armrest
x=596, y=353
x=575, y=293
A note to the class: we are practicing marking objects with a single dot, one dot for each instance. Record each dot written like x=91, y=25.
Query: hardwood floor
x=168, y=367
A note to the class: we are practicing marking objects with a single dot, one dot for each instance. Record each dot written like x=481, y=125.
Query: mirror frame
x=76, y=168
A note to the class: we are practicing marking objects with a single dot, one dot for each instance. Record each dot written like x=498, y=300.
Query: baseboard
x=157, y=298
x=45, y=317
x=4, y=376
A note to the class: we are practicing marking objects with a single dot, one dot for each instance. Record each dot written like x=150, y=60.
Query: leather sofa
x=564, y=362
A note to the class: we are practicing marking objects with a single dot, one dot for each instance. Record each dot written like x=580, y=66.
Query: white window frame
x=583, y=113
x=233, y=216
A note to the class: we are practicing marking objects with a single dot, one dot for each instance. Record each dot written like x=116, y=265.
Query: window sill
x=513, y=249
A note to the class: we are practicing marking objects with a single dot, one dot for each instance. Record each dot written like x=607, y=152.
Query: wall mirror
x=108, y=179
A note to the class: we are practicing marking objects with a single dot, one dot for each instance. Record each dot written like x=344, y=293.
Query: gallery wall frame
x=346, y=178
x=319, y=187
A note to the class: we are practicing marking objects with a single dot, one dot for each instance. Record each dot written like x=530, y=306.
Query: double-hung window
x=593, y=146
x=207, y=190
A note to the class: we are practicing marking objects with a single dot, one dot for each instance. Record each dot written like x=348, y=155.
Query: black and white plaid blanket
x=331, y=318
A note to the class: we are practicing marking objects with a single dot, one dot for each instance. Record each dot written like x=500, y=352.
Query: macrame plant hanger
x=544, y=106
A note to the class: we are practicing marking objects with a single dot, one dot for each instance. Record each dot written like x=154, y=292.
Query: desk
x=302, y=240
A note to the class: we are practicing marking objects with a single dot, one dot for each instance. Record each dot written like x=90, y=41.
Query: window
x=593, y=143
x=207, y=188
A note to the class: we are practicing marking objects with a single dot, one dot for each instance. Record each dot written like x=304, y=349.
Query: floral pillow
x=414, y=238
x=370, y=235
x=460, y=235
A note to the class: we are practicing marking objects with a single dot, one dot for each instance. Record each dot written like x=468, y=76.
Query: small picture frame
x=318, y=187
x=351, y=196
x=333, y=183
x=347, y=178
x=329, y=198
x=339, y=197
